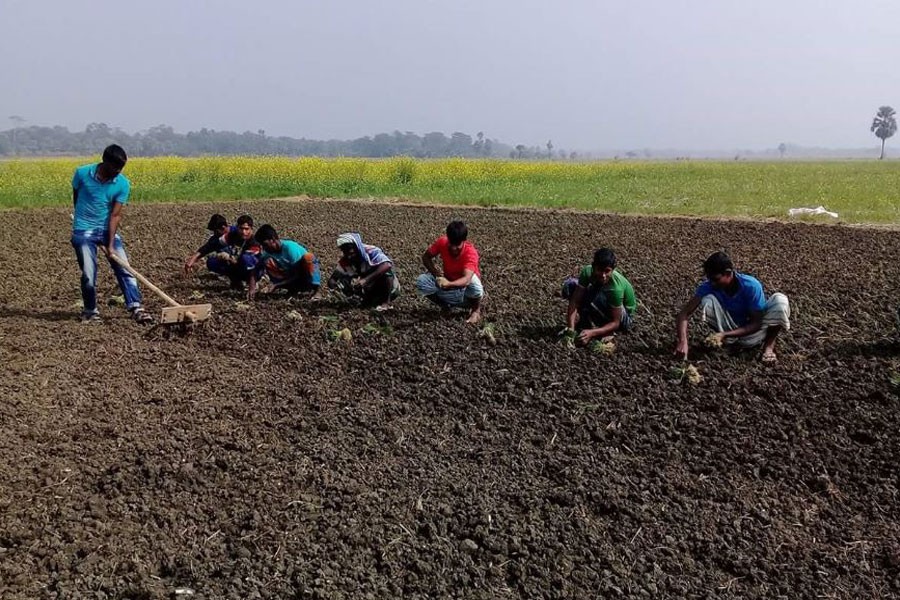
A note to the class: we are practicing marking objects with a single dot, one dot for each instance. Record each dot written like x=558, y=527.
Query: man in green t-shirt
x=601, y=300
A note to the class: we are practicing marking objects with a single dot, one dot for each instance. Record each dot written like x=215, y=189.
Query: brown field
x=254, y=457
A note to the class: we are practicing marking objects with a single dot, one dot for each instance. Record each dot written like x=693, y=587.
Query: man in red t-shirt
x=460, y=282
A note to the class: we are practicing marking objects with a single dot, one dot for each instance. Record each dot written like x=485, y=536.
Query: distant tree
x=549, y=148
x=884, y=125
x=782, y=148
x=573, y=156
x=17, y=122
x=520, y=150
x=478, y=146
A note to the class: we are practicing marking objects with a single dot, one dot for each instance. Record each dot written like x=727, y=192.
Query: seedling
x=341, y=335
x=603, y=348
x=713, y=340
x=567, y=337
x=686, y=372
x=376, y=329
x=487, y=332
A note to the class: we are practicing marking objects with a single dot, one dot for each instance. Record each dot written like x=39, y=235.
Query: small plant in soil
x=686, y=373
x=341, y=335
x=378, y=329
x=603, y=348
x=567, y=337
x=488, y=332
x=713, y=340
x=116, y=301
x=894, y=381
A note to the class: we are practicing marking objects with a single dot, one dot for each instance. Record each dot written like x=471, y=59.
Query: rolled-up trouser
x=385, y=287
x=427, y=286
x=776, y=313
x=303, y=282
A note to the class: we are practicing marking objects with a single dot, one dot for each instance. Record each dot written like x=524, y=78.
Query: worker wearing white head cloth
x=364, y=272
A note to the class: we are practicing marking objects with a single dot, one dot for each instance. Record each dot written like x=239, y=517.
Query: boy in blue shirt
x=232, y=252
x=289, y=265
x=100, y=193
x=736, y=309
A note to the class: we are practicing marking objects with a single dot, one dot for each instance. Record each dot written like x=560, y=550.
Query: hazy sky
x=693, y=74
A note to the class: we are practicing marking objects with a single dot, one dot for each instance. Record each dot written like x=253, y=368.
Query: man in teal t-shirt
x=289, y=265
x=100, y=193
x=601, y=299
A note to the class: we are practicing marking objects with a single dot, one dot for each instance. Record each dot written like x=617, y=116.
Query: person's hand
x=442, y=282
x=108, y=250
x=585, y=336
x=681, y=349
x=189, y=265
x=358, y=282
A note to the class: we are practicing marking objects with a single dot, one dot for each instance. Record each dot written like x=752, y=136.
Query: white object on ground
x=819, y=210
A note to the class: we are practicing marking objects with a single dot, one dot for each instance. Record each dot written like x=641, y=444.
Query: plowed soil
x=254, y=457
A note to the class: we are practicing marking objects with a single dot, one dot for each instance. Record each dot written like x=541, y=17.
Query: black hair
x=115, y=155
x=216, y=222
x=245, y=219
x=718, y=263
x=604, y=258
x=265, y=233
x=457, y=232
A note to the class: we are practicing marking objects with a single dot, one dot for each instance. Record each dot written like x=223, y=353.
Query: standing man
x=100, y=192
x=735, y=308
x=460, y=282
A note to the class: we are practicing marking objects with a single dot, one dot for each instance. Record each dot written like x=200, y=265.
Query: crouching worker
x=601, y=300
x=736, y=309
x=460, y=283
x=218, y=226
x=231, y=252
x=364, y=271
x=290, y=266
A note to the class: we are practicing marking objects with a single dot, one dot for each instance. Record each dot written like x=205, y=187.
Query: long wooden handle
x=171, y=301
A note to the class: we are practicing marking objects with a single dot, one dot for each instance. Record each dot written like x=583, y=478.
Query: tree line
x=163, y=140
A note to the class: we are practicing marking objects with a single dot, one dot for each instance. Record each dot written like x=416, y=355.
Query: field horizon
x=861, y=192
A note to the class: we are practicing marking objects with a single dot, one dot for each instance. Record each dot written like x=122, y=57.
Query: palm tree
x=884, y=125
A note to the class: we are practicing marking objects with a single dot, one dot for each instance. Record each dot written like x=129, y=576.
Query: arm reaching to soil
x=574, y=303
x=212, y=244
x=753, y=326
x=681, y=325
x=380, y=270
x=610, y=328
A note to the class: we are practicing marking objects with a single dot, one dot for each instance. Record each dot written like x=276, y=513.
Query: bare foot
x=474, y=318
x=769, y=357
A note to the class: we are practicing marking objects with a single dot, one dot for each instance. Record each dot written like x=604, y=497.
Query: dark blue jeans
x=85, y=243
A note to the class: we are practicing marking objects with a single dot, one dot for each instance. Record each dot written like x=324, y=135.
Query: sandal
x=141, y=316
